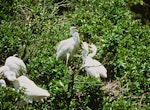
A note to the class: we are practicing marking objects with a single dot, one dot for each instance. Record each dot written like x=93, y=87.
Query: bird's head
x=84, y=46
x=73, y=30
x=10, y=75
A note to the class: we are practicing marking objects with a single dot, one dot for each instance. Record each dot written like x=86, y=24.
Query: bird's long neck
x=84, y=55
x=75, y=36
x=93, y=53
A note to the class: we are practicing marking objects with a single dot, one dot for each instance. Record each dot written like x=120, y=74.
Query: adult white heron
x=15, y=65
x=92, y=66
x=30, y=89
x=68, y=47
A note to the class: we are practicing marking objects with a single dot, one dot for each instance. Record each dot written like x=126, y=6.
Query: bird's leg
x=67, y=58
x=57, y=57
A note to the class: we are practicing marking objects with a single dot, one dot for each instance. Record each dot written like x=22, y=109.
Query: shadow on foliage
x=143, y=10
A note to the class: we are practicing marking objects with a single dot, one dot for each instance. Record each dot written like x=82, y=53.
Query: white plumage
x=10, y=75
x=2, y=83
x=3, y=69
x=13, y=64
x=92, y=66
x=68, y=47
x=30, y=89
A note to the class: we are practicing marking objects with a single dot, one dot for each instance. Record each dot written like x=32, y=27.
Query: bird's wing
x=26, y=82
x=91, y=62
x=96, y=71
x=64, y=44
x=64, y=47
x=12, y=66
x=19, y=62
x=3, y=69
x=37, y=92
x=31, y=88
x=15, y=63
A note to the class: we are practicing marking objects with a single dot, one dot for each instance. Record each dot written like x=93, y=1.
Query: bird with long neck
x=68, y=47
x=92, y=66
x=32, y=91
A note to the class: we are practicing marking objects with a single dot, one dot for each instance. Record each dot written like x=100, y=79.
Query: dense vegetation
x=32, y=30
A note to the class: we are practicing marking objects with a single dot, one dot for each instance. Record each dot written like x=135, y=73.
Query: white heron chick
x=15, y=65
x=30, y=89
x=68, y=47
x=92, y=66
x=2, y=83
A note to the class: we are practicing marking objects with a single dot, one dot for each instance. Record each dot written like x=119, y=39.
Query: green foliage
x=133, y=2
x=6, y=9
x=119, y=104
x=88, y=93
x=33, y=29
x=9, y=98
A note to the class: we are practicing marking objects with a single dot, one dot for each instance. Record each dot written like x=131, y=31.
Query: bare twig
x=140, y=103
x=57, y=5
x=86, y=83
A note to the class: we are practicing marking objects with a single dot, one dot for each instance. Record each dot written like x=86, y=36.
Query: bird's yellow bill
x=16, y=80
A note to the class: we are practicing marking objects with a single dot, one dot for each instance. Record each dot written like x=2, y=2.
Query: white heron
x=92, y=66
x=15, y=65
x=2, y=83
x=68, y=47
x=32, y=91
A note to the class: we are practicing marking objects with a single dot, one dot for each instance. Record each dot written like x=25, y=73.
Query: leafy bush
x=9, y=98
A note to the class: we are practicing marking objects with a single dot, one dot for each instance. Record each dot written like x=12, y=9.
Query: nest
x=114, y=89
